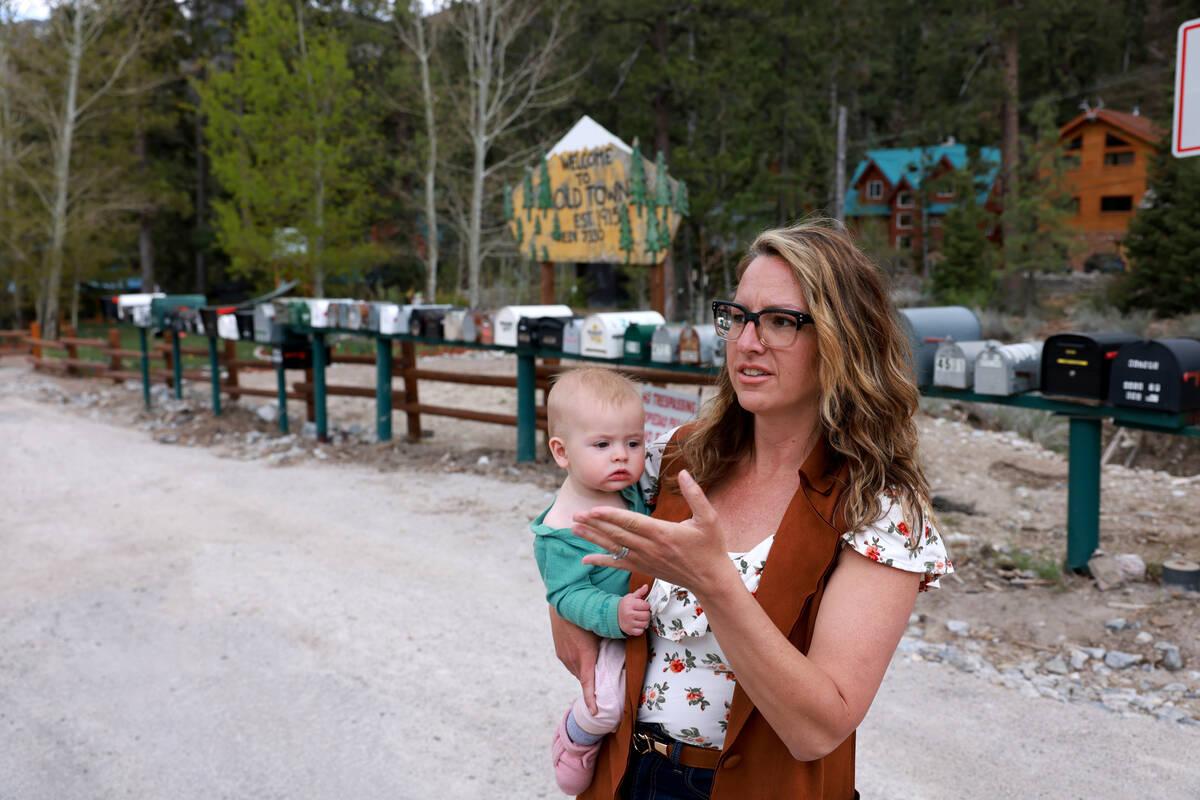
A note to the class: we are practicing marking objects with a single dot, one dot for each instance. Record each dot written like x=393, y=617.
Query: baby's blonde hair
x=607, y=386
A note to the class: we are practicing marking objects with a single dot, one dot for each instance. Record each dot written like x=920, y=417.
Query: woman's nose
x=753, y=342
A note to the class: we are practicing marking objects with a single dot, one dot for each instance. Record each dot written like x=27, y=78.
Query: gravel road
x=178, y=625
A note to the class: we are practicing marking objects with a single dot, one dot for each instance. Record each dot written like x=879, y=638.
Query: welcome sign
x=595, y=199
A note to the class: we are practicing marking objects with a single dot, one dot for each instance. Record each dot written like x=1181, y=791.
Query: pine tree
x=537, y=225
x=520, y=232
x=527, y=193
x=662, y=183
x=1163, y=244
x=545, y=254
x=532, y=249
x=682, y=207
x=626, y=241
x=637, y=178
x=966, y=272
x=556, y=233
x=652, y=243
x=545, y=199
x=508, y=204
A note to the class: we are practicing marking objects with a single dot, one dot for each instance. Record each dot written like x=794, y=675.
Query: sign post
x=1185, y=130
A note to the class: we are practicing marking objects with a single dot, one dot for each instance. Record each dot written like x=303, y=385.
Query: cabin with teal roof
x=886, y=190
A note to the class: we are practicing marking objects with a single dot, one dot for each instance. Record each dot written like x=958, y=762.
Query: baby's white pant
x=610, y=690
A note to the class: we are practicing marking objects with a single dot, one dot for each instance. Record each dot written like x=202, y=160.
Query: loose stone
x=1118, y=660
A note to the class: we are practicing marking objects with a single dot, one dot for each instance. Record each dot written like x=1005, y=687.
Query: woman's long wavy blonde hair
x=868, y=392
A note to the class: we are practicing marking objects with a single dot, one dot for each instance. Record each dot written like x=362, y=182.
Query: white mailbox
x=319, y=313
x=504, y=323
x=452, y=324
x=384, y=318
x=698, y=345
x=664, y=344
x=954, y=362
x=604, y=334
x=1009, y=369
x=572, y=336
x=264, y=323
x=126, y=303
x=227, y=327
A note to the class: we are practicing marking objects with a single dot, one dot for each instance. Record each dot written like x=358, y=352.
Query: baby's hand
x=633, y=612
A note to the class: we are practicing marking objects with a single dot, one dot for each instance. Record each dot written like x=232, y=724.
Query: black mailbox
x=208, y=318
x=1080, y=364
x=295, y=351
x=529, y=332
x=245, y=323
x=427, y=322
x=1162, y=374
x=551, y=331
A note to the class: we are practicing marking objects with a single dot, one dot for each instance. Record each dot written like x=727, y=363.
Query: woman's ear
x=559, y=451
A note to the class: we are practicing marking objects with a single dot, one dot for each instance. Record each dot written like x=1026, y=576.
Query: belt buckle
x=642, y=744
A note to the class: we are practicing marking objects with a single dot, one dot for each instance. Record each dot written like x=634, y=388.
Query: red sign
x=1185, y=132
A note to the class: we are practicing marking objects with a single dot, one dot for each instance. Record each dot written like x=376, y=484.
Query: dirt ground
x=1002, y=502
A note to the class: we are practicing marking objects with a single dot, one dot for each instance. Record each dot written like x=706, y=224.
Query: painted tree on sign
x=544, y=199
x=637, y=178
x=662, y=183
x=682, y=207
x=652, y=243
x=626, y=241
x=508, y=204
x=556, y=233
x=527, y=193
x=520, y=232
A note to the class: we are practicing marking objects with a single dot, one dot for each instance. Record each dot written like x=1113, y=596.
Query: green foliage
x=965, y=273
x=289, y=143
x=1163, y=245
x=544, y=199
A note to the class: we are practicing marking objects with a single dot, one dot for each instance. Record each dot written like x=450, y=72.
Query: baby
x=596, y=426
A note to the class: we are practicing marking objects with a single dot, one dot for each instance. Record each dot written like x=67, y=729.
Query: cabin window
x=904, y=220
x=1114, y=141
x=1118, y=159
x=1116, y=202
x=904, y=243
x=874, y=190
x=904, y=199
x=1075, y=144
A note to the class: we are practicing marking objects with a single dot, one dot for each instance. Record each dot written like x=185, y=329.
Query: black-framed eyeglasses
x=777, y=327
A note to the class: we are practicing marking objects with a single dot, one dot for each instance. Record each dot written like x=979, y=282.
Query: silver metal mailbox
x=604, y=333
x=1009, y=369
x=954, y=363
x=265, y=330
x=572, y=335
x=928, y=327
x=506, y=320
x=664, y=344
x=452, y=324
x=698, y=345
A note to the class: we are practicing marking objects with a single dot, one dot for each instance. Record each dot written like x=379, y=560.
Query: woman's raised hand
x=690, y=553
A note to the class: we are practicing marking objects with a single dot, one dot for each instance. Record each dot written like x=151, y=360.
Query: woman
x=793, y=529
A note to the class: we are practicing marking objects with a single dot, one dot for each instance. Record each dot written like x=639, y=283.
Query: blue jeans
x=652, y=777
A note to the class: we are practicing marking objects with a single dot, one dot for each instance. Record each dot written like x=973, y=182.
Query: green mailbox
x=638, y=339
x=159, y=306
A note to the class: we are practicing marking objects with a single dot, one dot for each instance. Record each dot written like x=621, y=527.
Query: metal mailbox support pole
x=215, y=367
x=383, y=388
x=526, y=406
x=318, y=363
x=281, y=390
x=145, y=367
x=177, y=363
x=1083, y=492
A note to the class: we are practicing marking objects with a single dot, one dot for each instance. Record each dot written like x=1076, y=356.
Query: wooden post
x=547, y=283
x=658, y=293
x=229, y=358
x=35, y=332
x=310, y=405
x=72, y=350
x=114, y=360
x=408, y=363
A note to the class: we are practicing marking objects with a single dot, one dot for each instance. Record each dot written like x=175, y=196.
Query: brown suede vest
x=755, y=763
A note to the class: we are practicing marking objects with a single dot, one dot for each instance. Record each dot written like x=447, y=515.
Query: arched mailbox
x=473, y=323
x=664, y=345
x=529, y=331
x=698, y=345
x=126, y=303
x=385, y=318
x=452, y=324
x=426, y=322
x=638, y=339
x=572, y=336
x=604, y=333
x=1008, y=369
x=1080, y=364
x=928, y=327
x=954, y=362
x=506, y=320
x=550, y=331
x=227, y=326
x=1162, y=374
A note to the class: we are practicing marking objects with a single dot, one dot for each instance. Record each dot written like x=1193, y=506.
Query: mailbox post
x=318, y=362
x=215, y=368
x=383, y=388
x=281, y=389
x=177, y=365
x=145, y=367
x=1083, y=491
x=526, y=406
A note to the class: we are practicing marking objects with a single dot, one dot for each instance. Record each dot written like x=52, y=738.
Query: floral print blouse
x=688, y=688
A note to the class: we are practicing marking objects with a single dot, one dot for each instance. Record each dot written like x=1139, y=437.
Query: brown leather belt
x=647, y=741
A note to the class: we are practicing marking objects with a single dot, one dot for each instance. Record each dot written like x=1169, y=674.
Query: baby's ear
x=559, y=451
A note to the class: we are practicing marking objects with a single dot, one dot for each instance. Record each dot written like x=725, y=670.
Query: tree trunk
x=62, y=177
x=145, y=225
x=475, y=220
x=1011, y=142
x=200, y=200
x=75, y=295
x=431, y=219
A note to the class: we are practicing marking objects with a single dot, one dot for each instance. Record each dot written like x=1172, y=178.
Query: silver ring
x=619, y=555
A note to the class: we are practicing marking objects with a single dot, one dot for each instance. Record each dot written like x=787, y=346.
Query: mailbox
x=385, y=318
x=293, y=311
x=127, y=303
x=452, y=324
x=1008, y=369
x=551, y=331
x=473, y=325
x=295, y=352
x=265, y=329
x=604, y=334
x=227, y=326
x=954, y=362
x=160, y=305
x=245, y=323
x=572, y=335
x=318, y=314
x=506, y=320
x=1080, y=364
x=698, y=344
x=1162, y=374
x=929, y=327
x=353, y=315
x=664, y=345
x=638, y=338
x=529, y=333
x=426, y=321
